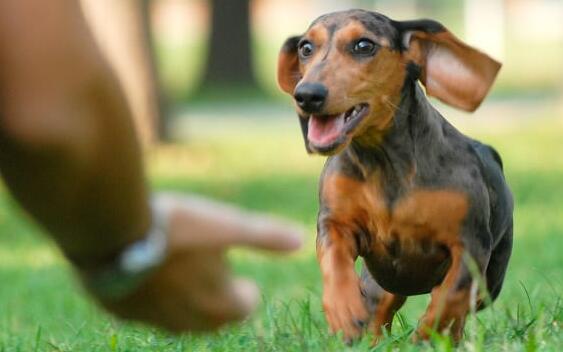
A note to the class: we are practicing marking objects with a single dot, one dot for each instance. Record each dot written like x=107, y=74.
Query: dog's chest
x=404, y=244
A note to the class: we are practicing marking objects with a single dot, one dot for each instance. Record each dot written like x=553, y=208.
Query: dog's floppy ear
x=288, y=65
x=451, y=70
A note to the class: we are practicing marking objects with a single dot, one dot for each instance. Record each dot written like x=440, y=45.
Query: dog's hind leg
x=497, y=267
x=382, y=305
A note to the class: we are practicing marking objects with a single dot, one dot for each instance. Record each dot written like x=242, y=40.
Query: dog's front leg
x=342, y=298
x=450, y=302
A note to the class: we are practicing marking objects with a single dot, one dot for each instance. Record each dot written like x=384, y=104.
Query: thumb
x=247, y=296
x=238, y=300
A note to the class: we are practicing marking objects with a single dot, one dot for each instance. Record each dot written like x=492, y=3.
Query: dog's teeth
x=352, y=114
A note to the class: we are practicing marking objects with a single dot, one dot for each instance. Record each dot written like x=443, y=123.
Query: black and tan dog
x=416, y=199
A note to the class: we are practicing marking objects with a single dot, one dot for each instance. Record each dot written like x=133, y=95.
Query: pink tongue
x=323, y=131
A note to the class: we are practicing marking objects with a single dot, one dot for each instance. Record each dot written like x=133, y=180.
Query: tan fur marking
x=433, y=214
x=386, y=308
x=317, y=34
x=342, y=299
x=421, y=215
x=448, y=306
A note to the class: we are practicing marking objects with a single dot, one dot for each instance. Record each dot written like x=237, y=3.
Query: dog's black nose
x=310, y=96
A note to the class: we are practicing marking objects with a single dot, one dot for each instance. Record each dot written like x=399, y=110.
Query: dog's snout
x=310, y=96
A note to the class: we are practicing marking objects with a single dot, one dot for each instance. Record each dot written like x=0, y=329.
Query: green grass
x=262, y=165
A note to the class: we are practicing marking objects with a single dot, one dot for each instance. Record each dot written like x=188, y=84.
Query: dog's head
x=346, y=73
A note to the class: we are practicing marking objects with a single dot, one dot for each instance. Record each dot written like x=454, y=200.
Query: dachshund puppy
x=425, y=206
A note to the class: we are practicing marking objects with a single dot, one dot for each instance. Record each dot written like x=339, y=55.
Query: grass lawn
x=262, y=165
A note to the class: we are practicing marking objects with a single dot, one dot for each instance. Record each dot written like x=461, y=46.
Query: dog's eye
x=306, y=49
x=364, y=47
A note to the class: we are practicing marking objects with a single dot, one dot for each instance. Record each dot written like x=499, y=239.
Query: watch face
x=131, y=268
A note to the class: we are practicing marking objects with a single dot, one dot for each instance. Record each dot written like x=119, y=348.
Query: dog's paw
x=345, y=309
x=447, y=326
x=445, y=316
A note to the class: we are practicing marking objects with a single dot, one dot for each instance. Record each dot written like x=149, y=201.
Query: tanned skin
x=70, y=157
x=402, y=188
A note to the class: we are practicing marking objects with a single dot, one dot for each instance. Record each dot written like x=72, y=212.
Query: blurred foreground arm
x=69, y=155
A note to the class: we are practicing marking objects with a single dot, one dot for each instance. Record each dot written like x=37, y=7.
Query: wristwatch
x=131, y=267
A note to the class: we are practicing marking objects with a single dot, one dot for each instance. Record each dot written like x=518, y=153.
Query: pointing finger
x=198, y=223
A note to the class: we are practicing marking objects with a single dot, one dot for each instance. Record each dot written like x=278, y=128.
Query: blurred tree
x=122, y=29
x=229, y=57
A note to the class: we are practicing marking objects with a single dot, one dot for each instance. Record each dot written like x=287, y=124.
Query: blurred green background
x=527, y=36
x=238, y=140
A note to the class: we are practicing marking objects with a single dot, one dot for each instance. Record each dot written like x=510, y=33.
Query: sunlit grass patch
x=262, y=165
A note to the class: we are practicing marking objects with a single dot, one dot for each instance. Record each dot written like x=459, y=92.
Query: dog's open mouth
x=326, y=132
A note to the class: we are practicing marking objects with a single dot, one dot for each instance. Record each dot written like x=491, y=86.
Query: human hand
x=193, y=289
